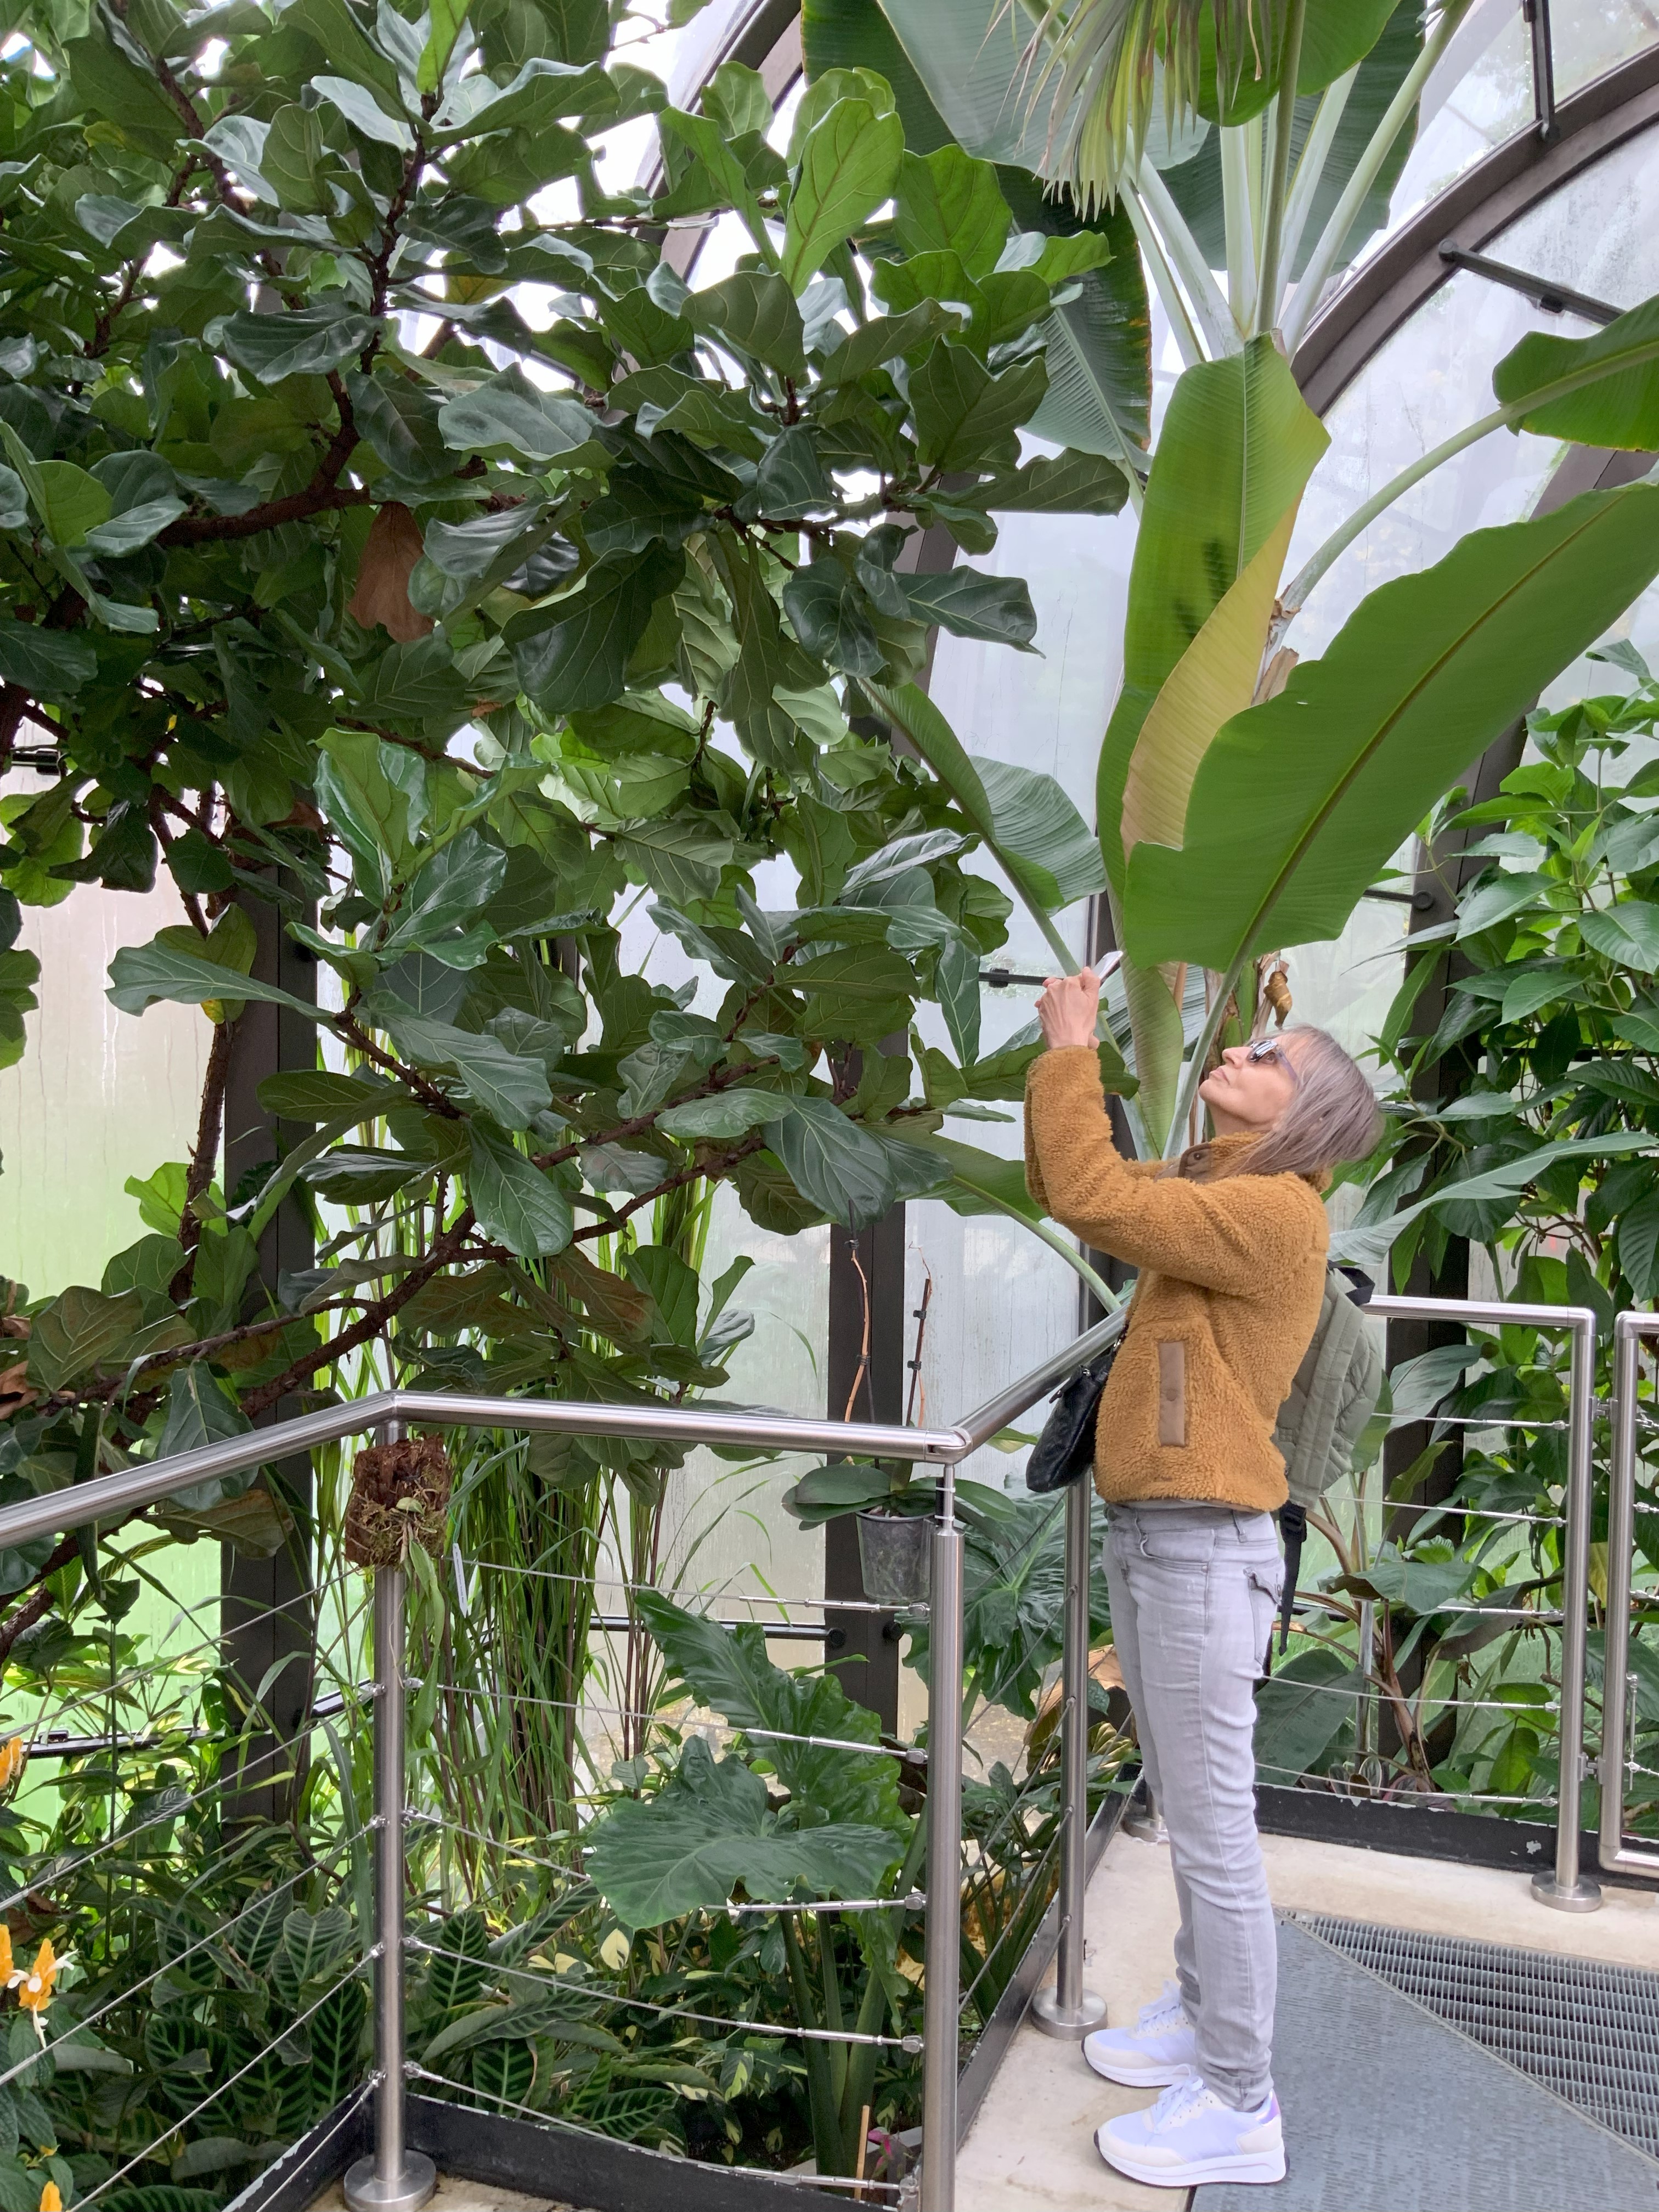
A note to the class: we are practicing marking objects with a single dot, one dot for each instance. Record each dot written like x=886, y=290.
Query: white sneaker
x=1189, y=2137
x=1160, y=2048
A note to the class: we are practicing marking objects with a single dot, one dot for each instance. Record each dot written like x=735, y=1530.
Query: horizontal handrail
x=111, y=1496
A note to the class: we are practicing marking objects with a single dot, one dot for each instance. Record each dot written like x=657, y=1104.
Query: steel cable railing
x=395, y=2179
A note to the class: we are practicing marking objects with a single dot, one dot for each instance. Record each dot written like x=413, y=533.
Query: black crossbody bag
x=1065, y=1452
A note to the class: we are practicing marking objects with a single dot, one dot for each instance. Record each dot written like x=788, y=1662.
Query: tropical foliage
x=1245, y=803
x=407, y=564
x=1524, y=1120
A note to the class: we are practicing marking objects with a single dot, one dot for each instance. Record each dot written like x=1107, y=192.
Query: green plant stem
x=1326, y=251
x=1310, y=169
x=1237, y=222
x=1192, y=1075
x=1212, y=315
x=1186, y=337
x=1294, y=597
x=827, y=2141
x=1272, y=227
x=1052, y=1237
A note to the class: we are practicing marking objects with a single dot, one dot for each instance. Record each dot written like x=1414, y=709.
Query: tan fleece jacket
x=1233, y=1274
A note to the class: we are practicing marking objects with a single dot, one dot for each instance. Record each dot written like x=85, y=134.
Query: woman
x=1229, y=1243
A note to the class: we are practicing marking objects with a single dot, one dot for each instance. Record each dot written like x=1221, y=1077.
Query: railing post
x=942, y=1989
x=394, y=2178
x=1566, y=1889
x=1617, y=1717
x=1068, y=2009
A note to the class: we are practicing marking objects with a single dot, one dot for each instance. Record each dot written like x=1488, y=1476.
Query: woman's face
x=1243, y=1093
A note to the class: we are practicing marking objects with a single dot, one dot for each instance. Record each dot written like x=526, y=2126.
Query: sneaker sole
x=1195, y=2172
x=1147, y=2077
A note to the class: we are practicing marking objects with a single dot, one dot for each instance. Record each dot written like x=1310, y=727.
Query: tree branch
x=447, y=1248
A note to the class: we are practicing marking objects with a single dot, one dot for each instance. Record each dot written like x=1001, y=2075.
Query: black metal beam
x=1473, y=208
x=1536, y=15
x=269, y=1654
x=1553, y=299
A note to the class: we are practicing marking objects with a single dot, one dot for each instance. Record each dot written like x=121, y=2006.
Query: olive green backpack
x=1320, y=1425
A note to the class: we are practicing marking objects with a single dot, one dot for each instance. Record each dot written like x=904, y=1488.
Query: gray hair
x=1332, y=1114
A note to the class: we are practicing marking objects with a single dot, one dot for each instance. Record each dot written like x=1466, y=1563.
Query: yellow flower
x=12, y=1755
x=50, y=2199
x=36, y=1992
x=8, y=1970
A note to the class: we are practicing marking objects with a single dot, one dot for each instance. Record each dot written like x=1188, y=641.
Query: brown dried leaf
x=394, y=546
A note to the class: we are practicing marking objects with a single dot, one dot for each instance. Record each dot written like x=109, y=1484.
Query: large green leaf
x=1098, y=346
x=757, y=310
x=1367, y=1244
x=80, y=1330
x=574, y=653
x=848, y=165
x=140, y=975
x=1022, y=816
x=729, y=1671
x=1620, y=406
x=1237, y=445
x=1422, y=677
x=508, y=1086
x=965, y=414
x=516, y=1203
x=1299, y=1713
x=708, y=1828
x=200, y=1412
x=511, y=414
x=840, y=1167
x=308, y=341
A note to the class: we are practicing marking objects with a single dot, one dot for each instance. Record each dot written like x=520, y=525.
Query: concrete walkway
x=1031, y=2148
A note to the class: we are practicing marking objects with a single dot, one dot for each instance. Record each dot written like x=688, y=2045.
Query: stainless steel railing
x=1567, y=1888
x=1616, y=1854
x=395, y=2179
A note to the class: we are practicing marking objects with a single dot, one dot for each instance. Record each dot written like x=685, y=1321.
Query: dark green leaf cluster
x=398, y=553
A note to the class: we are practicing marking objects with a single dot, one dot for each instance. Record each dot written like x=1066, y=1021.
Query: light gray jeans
x=1193, y=1591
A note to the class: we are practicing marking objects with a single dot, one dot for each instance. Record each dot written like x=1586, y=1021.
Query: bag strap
x=1293, y=1525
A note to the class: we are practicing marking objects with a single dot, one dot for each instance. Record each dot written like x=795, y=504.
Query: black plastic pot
x=894, y=1552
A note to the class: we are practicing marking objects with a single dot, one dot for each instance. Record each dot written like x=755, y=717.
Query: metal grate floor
x=1585, y=2029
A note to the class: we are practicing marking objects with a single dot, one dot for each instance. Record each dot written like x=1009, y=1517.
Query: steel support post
x=1069, y=2010
x=1566, y=1888
x=394, y=2178
x=942, y=1990
x=1617, y=1719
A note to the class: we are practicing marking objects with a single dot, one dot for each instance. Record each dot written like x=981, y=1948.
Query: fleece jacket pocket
x=1172, y=1394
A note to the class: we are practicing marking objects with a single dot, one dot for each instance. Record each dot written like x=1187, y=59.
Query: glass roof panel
x=1481, y=93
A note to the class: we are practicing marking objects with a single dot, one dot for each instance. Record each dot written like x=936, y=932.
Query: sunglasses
x=1268, y=1048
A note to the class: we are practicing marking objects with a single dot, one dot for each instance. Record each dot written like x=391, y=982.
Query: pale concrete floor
x=454, y=2196
x=1031, y=2147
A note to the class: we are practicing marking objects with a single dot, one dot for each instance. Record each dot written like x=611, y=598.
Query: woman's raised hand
x=1069, y=1008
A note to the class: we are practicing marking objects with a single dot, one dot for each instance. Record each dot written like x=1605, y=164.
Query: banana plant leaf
x=1237, y=446
x=1422, y=677
x=1620, y=407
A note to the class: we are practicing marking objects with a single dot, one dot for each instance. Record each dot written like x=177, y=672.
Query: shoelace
x=1177, y=2102
x=1162, y=2013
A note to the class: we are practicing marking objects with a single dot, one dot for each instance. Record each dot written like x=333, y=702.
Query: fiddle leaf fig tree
x=398, y=553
